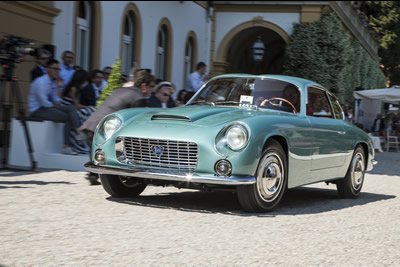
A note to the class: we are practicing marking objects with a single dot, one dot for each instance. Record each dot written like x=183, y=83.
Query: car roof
x=299, y=82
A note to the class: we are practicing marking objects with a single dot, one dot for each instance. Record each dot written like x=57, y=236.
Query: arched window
x=188, y=57
x=128, y=43
x=162, y=55
x=83, y=23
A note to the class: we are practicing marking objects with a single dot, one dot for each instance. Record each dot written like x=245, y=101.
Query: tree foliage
x=323, y=52
x=384, y=19
x=114, y=82
x=382, y=16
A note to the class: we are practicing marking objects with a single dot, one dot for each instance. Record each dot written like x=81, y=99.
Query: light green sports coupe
x=254, y=135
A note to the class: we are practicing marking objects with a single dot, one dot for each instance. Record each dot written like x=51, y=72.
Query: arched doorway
x=240, y=54
x=234, y=53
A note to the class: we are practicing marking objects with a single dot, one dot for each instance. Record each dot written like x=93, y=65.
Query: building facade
x=170, y=37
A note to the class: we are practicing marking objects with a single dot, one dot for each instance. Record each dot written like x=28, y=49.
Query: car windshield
x=263, y=93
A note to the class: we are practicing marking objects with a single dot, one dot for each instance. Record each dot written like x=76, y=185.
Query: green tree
x=384, y=17
x=114, y=82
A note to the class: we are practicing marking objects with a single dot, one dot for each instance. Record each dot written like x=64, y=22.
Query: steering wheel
x=265, y=101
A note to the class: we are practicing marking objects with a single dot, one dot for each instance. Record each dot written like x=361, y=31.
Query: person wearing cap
x=160, y=98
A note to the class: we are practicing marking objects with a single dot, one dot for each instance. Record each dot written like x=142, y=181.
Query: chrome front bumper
x=170, y=175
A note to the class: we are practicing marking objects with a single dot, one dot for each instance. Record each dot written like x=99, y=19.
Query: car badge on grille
x=158, y=150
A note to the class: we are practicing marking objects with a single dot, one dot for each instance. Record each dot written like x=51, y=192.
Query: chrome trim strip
x=170, y=175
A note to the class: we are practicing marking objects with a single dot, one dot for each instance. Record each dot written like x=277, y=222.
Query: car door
x=328, y=134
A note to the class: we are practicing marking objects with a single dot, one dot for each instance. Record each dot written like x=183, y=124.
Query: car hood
x=196, y=115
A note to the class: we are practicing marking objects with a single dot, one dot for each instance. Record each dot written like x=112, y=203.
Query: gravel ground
x=53, y=218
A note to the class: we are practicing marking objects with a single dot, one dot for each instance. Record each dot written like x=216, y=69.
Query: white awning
x=387, y=94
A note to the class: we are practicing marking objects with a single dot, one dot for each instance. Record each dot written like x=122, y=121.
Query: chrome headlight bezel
x=232, y=139
x=108, y=127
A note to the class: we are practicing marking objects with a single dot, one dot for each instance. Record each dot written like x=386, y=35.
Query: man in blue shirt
x=44, y=103
x=196, y=79
x=67, y=70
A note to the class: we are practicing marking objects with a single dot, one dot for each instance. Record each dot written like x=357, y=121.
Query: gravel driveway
x=52, y=218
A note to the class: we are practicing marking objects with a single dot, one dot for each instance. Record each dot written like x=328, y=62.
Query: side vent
x=170, y=117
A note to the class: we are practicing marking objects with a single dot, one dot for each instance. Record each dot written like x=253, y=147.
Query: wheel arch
x=364, y=146
x=283, y=142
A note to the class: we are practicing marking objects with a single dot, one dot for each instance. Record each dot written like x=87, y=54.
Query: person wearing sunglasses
x=42, y=59
x=161, y=97
x=44, y=103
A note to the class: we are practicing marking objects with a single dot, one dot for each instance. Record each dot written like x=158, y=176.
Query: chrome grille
x=175, y=154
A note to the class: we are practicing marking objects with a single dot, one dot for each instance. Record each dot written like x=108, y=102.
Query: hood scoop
x=170, y=117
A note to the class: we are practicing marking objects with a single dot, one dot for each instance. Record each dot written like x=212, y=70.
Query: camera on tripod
x=13, y=48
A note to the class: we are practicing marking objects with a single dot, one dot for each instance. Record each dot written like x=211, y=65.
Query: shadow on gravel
x=16, y=173
x=297, y=201
x=388, y=164
x=31, y=182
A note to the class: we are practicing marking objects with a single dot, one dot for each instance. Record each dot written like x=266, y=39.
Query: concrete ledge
x=47, y=144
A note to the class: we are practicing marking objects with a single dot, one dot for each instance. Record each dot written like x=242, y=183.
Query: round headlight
x=110, y=126
x=236, y=137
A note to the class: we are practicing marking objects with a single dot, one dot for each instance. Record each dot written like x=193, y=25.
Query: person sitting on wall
x=91, y=92
x=67, y=70
x=44, y=103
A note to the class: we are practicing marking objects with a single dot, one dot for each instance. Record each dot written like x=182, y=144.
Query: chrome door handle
x=341, y=132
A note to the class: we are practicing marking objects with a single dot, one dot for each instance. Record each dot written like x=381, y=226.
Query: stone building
x=170, y=37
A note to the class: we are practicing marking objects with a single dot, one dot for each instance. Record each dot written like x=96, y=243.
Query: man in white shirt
x=196, y=79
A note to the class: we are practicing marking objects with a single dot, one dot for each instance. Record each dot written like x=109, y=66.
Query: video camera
x=13, y=48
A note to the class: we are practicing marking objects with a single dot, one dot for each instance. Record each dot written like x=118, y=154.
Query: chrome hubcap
x=357, y=172
x=270, y=175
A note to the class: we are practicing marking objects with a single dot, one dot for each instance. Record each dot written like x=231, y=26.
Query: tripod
x=9, y=78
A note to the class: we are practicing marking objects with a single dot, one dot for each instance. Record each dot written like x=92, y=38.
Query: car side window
x=336, y=107
x=318, y=104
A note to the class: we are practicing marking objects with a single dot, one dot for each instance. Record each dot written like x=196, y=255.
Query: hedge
x=323, y=52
